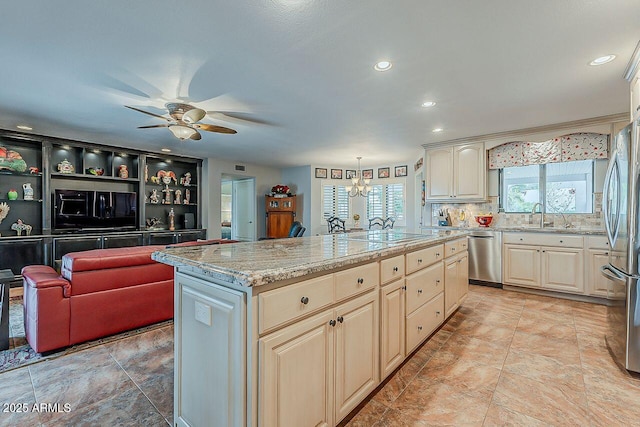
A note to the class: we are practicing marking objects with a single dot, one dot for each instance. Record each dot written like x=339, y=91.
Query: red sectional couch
x=100, y=292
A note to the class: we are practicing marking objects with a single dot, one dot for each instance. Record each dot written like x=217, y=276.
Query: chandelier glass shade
x=359, y=186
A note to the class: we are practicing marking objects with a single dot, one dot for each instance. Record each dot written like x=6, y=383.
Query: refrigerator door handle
x=606, y=202
x=609, y=273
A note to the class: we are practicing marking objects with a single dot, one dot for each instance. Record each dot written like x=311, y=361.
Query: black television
x=86, y=210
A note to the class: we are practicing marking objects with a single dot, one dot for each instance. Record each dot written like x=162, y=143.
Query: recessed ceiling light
x=428, y=104
x=602, y=60
x=383, y=66
x=437, y=130
x=165, y=150
x=24, y=127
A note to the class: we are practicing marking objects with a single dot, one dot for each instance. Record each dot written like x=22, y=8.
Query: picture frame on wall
x=418, y=164
x=349, y=173
x=401, y=171
x=383, y=172
x=336, y=173
x=321, y=172
x=367, y=174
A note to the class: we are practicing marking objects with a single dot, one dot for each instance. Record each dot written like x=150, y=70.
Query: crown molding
x=612, y=118
x=634, y=63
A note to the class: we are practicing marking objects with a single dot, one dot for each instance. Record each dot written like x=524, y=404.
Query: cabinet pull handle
x=438, y=313
x=395, y=269
x=419, y=291
x=332, y=322
x=404, y=288
x=543, y=251
x=340, y=319
x=419, y=328
x=606, y=253
x=305, y=300
x=360, y=280
x=437, y=254
x=419, y=260
x=437, y=280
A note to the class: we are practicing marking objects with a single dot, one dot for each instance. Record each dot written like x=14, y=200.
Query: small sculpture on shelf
x=12, y=194
x=187, y=197
x=123, y=172
x=27, y=190
x=4, y=211
x=280, y=191
x=12, y=160
x=155, y=197
x=94, y=171
x=66, y=167
x=167, y=176
x=167, y=195
x=172, y=222
x=177, y=199
x=20, y=226
x=34, y=170
x=146, y=173
x=185, y=180
x=155, y=180
x=152, y=222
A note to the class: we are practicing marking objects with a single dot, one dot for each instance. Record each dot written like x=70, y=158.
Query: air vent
x=239, y=167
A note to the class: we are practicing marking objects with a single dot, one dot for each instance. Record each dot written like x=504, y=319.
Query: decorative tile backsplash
x=501, y=219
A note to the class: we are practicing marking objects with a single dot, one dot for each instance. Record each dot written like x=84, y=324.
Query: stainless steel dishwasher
x=485, y=257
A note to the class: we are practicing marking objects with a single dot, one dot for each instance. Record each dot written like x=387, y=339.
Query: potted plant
x=280, y=191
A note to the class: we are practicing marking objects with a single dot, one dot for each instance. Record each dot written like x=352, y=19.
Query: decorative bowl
x=484, y=220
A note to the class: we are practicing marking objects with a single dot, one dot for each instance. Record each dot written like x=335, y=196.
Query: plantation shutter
x=335, y=202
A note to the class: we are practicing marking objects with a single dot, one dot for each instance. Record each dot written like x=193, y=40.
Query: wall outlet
x=203, y=313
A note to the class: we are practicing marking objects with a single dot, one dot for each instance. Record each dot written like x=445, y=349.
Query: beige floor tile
x=501, y=416
x=565, y=350
x=370, y=414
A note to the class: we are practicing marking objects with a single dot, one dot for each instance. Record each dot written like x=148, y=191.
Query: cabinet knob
x=544, y=251
x=419, y=260
x=521, y=239
x=360, y=280
x=340, y=319
x=305, y=300
x=419, y=328
x=560, y=241
x=606, y=253
x=537, y=250
x=437, y=254
x=437, y=280
x=437, y=313
x=419, y=291
x=395, y=269
x=332, y=322
x=404, y=288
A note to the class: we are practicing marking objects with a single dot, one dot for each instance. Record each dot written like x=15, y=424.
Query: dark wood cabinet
x=281, y=212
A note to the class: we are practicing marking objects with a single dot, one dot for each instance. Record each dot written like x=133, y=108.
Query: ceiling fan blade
x=152, y=126
x=196, y=136
x=151, y=114
x=213, y=128
x=239, y=118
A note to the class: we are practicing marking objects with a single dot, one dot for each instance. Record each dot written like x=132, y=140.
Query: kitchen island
x=300, y=331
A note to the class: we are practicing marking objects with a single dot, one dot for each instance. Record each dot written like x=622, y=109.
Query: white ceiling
x=304, y=70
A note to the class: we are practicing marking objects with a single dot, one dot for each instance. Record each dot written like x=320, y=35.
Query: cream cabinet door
x=357, y=353
x=522, y=265
x=439, y=168
x=392, y=310
x=469, y=166
x=451, y=285
x=296, y=374
x=563, y=269
x=597, y=282
x=463, y=278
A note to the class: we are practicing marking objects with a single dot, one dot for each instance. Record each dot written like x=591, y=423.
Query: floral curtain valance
x=576, y=146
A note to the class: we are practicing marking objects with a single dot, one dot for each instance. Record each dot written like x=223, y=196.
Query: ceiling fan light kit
x=183, y=122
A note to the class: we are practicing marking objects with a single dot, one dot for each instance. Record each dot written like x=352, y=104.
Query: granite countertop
x=527, y=229
x=267, y=261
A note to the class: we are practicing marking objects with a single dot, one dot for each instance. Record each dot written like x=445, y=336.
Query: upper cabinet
x=76, y=162
x=456, y=173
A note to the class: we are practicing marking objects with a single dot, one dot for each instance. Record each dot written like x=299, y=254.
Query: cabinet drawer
x=423, y=258
x=287, y=303
x=598, y=242
x=356, y=280
x=391, y=269
x=544, y=239
x=455, y=247
x=424, y=285
x=423, y=321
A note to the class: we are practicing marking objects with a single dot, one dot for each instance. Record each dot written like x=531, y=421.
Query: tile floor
x=504, y=358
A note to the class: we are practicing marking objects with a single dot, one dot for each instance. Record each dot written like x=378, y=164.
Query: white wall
x=212, y=171
x=298, y=179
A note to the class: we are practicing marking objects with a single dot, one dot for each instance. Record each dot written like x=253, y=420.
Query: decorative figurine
x=187, y=197
x=95, y=171
x=65, y=167
x=155, y=197
x=155, y=180
x=186, y=179
x=172, y=223
x=167, y=176
x=167, y=195
x=34, y=170
x=152, y=222
x=4, y=211
x=20, y=226
x=12, y=160
x=177, y=197
x=146, y=173
x=27, y=190
x=123, y=172
x=12, y=194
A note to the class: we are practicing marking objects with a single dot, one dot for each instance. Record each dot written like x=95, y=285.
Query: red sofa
x=100, y=292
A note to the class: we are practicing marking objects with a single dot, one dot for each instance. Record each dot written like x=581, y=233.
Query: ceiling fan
x=183, y=122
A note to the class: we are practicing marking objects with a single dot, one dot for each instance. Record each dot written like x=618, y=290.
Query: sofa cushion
x=86, y=282
x=100, y=259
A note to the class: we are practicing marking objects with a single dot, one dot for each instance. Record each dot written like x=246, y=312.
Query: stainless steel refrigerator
x=621, y=208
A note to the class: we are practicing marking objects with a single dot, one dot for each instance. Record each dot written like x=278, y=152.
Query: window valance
x=576, y=146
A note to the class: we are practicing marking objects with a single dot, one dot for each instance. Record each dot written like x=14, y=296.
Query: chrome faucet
x=533, y=211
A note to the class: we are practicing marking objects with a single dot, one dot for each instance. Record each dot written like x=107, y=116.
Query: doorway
x=238, y=208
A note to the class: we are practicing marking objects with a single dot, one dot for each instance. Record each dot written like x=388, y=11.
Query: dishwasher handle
x=481, y=237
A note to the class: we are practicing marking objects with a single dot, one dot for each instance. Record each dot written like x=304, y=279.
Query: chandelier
x=359, y=186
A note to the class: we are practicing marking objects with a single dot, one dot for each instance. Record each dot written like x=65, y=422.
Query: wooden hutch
x=281, y=212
